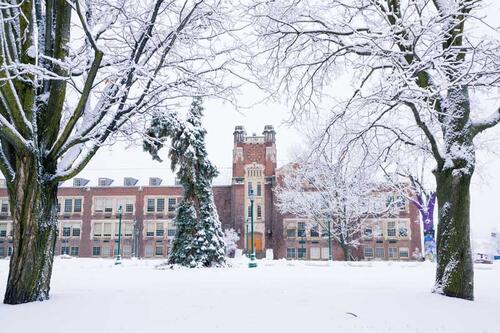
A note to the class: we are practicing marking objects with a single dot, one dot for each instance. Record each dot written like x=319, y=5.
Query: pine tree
x=199, y=238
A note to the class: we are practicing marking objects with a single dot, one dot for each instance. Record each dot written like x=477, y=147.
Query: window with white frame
x=325, y=252
x=377, y=226
x=106, y=251
x=315, y=253
x=150, y=205
x=102, y=229
x=96, y=251
x=171, y=232
x=127, y=204
x=290, y=253
x=4, y=206
x=301, y=229
x=103, y=205
x=391, y=229
x=392, y=252
x=160, y=231
x=172, y=204
x=70, y=205
x=160, y=205
x=3, y=230
x=128, y=229
x=379, y=252
x=368, y=232
x=249, y=188
x=64, y=250
x=148, y=251
x=158, y=250
x=368, y=252
x=70, y=229
x=106, y=229
x=75, y=251
x=404, y=252
x=259, y=189
x=301, y=253
x=402, y=229
x=314, y=231
x=291, y=233
x=259, y=211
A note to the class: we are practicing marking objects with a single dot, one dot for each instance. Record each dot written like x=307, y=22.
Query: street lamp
x=252, y=262
x=118, y=259
x=247, y=236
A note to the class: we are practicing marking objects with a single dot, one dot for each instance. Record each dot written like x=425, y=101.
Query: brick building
x=88, y=219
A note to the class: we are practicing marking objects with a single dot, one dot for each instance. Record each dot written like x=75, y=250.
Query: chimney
x=269, y=133
x=154, y=181
x=80, y=182
x=239, y=134
x=129, y=181
x=104, y=181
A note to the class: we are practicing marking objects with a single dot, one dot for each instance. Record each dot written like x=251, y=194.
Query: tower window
x=259, y=212
x=259, y=189
x=250, y=188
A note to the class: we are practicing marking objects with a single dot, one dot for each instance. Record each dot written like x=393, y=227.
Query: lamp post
x=118, y=259
x=329, y=241
x=247, y=236
x=252, y=262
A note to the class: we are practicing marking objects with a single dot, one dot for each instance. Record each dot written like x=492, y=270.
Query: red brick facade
x=147, y=228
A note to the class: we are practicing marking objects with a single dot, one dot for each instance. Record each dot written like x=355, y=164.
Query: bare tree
x=415, y=64
x=333, y=194
x=74, y=74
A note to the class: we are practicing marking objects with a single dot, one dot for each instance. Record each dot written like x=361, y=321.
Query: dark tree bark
x=455, y=273
x=35, y=233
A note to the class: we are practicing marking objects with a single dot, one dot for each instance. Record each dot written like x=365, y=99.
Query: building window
x=379, y=252
x=107, y=230
x=401, y=202
x=368, y=232
x=75, y=232
x=97, y=229
x=404, y=252
x=151, y=205
x=66, y=231
x=392, y=252
x=259, y=211
x=4, y=206
x=2, y=251
x=378, y=230
x=75, y=250
x=129, y=229
x=291, y=233
x=314, y=231
x=103, y=205
x=402, y=230
x=3, y=230
x=150, y=229
x=129, y=208
x=249, y=212
x=391, y=229
x=160, y=205
x=9, y=251
x=159, y=251
x=325, y=253
x=159, y=230
x=171, y=232
x=127, y=204
x=301, y=229
x=172, y=204
x=315, y=253
x=77, y=207
x=259, y=189
x=148, y=251
x=106, y=251
x=64, y=250
x=301, y=252
x=290, y=253
x=96, y=251
x=368, y=252
x=250, y=188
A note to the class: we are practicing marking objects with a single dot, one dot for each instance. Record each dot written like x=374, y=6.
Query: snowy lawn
x=92, y=295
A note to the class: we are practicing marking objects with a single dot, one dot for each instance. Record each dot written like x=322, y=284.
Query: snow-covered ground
x=93, y=295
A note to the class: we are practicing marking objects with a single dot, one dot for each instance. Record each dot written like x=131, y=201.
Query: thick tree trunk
x=34, y=215
x=455, y=273
x=346, y=251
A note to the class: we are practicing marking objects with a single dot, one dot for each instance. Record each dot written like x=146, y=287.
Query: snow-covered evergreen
x=199, y=238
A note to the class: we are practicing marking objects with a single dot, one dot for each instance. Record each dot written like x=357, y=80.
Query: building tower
x=254, y=166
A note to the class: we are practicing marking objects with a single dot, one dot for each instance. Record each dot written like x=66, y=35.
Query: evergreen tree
x=199, y=238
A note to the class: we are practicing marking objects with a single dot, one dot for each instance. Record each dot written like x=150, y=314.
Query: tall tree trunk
x=34, y=216
x=455, y=273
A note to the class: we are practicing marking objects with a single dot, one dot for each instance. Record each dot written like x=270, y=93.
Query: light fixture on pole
x=252, y=263
x=118, y=259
